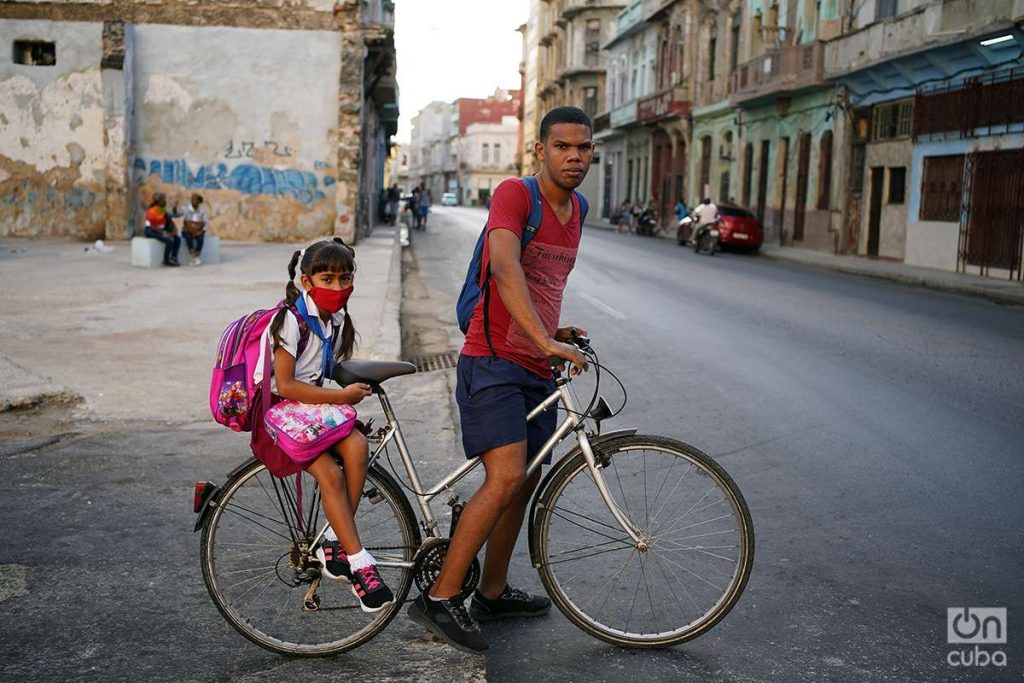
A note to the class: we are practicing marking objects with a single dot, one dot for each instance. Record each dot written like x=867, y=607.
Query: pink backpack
x=232, y=388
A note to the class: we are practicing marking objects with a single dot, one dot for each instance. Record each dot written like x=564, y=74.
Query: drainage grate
x=440, y=361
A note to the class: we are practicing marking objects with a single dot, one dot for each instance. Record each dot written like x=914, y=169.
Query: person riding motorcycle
x=706, y=214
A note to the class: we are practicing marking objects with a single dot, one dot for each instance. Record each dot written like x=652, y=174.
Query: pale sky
x=455, y=48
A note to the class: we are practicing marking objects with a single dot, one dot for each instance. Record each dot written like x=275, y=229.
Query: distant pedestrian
x=195, y=221
x=623, y=216
x=680, y=210
x=160, y=227
x=423, y=207
x=320, y=282
x=392, y=206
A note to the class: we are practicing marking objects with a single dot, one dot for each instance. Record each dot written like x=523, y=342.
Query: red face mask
x=330, y=300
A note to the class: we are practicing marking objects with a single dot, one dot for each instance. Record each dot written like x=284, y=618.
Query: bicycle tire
x=549, y=559
x=405, y=528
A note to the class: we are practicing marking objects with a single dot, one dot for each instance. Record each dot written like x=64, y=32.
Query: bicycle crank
x=430, y=558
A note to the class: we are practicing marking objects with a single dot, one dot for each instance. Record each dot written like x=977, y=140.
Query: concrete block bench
x=149, y=253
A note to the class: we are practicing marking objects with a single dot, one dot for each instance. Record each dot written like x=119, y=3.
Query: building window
x=892, y=120
x=897, y=184
x=825, y=171
x=941, y=185
x=497, y=154
x=712, y=49
x=486, y=154
x=885, y=9
x=592, y=55
x=35, y=53
x=723, y=186
x=734, y=55
x=590, y=101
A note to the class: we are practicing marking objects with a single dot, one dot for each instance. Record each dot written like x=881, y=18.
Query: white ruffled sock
x=361, y=560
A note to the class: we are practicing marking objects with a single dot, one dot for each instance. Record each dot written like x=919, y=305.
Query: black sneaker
x=449, y=621
x=334, y=561
x=511, y=603
x=373, y=593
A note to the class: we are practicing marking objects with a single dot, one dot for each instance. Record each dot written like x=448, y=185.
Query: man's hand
x=557, y=349
x=354, y=393
x=565, y=334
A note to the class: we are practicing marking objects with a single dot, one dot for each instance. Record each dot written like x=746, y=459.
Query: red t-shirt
x=156, y=216
x=547, y=261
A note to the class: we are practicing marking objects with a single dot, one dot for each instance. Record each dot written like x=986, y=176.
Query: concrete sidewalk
x=997, y=290
x=139, y=344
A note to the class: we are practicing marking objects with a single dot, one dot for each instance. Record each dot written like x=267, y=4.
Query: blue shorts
x=494, y=397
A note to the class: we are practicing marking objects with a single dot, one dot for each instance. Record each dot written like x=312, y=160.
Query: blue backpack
x=477, y=282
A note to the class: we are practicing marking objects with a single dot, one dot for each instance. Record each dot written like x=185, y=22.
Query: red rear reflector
x=200, y=492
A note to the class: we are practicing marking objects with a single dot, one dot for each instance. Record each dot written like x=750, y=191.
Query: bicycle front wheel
x=259, y=565
x=688, y=570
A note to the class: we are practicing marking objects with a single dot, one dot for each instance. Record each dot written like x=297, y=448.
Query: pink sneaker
x=373, y=593
x=334, y=561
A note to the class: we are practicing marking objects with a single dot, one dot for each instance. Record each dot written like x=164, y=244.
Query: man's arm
x=505, y=252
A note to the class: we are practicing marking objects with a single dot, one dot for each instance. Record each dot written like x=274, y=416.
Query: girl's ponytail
x=291, y=295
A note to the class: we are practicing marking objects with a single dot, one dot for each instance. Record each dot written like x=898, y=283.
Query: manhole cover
x=440, y=361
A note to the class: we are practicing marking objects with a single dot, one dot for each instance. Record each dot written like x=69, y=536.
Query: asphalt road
x=876, y=430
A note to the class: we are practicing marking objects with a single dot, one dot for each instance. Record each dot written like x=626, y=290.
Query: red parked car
x=738, y=227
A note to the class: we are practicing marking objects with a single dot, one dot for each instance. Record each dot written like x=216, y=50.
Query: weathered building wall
x=245, y=117
x=52, y=148
x=932, y=243
x=892, y=235
x=257, y=104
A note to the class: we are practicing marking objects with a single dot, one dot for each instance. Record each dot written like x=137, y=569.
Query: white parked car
x=449, y=199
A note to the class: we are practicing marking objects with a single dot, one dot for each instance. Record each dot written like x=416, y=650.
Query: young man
x=504, y=372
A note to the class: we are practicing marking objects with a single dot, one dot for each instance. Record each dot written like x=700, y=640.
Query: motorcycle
x=683, y=230
x=706, y=239
x=647, y=225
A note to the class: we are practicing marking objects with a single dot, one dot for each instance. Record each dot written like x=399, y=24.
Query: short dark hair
x=563, y=115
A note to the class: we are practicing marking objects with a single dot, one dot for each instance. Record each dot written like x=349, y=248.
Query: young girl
x=319, y=296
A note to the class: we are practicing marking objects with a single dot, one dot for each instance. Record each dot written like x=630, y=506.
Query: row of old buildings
x=886, y=128
x=465, y=147
x=279, y=114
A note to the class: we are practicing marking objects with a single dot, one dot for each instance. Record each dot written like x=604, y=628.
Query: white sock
x=329, y=535
x=361, y=560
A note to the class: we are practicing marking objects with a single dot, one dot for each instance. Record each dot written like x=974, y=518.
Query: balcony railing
x=666, y=104
x=624, y=115
x=780, y=72
x=571, y=8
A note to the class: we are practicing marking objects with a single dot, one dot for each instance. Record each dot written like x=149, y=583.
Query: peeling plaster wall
x=52, y=144
x=246, y=117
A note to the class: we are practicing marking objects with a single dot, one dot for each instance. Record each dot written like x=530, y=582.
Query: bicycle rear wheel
x=259, y=564
x=694, y=560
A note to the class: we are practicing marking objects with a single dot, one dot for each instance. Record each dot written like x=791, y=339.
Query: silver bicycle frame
x=393, y=432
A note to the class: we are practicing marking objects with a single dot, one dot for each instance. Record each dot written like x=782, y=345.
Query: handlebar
x=579, y=341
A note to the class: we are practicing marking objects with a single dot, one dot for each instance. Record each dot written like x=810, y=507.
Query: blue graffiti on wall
x=246, y=178
x=27, y=196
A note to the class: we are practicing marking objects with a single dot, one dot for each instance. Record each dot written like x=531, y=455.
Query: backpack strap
x=533, y=221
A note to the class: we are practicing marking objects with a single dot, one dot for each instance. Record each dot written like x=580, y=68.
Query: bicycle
x=683, y=517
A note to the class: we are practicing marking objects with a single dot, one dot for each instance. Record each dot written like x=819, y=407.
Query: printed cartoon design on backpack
x=232, y=387
x=477, y=280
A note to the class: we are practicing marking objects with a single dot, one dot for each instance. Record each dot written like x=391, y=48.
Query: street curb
x=965, y=289
x=391, y=323
x=22, y=388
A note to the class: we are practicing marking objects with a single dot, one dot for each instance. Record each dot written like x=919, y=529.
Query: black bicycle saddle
x=372, y=372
